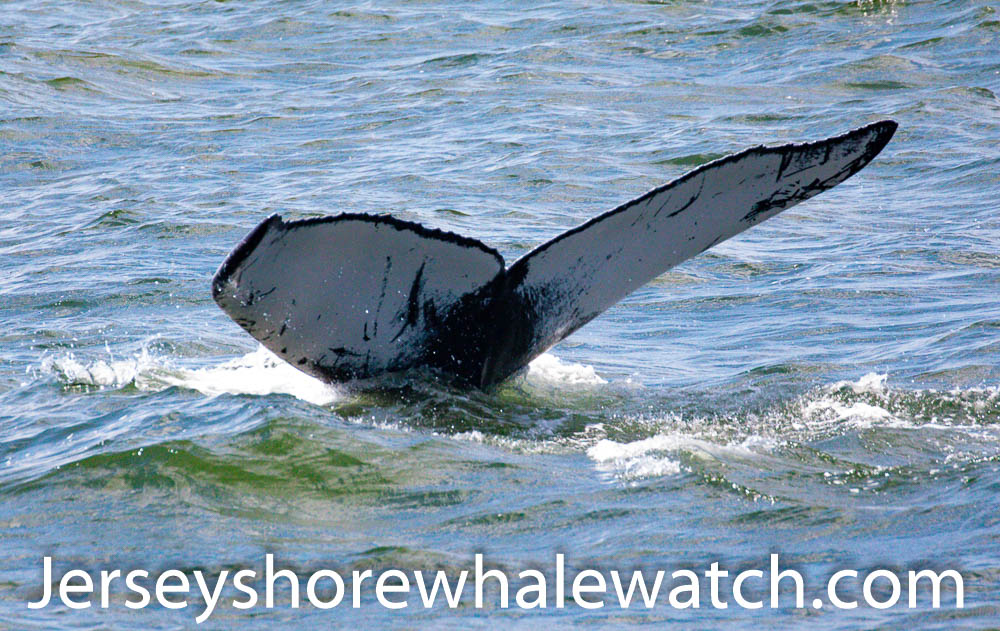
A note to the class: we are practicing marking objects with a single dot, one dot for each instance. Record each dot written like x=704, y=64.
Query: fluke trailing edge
x=353, y=296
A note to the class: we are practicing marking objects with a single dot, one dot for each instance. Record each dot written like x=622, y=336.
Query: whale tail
x=353, y=296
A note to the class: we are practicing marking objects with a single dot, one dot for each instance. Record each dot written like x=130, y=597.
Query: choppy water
x=825, y=386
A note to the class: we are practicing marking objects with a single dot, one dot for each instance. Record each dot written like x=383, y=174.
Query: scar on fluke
x=327, y=284
x=412, y=302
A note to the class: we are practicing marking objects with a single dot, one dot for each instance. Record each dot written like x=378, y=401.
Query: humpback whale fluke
x=353, y=295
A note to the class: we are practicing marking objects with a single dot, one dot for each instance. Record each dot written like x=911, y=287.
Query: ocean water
x=824, y=386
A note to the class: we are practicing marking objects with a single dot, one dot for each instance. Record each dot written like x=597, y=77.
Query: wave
x=940, y=428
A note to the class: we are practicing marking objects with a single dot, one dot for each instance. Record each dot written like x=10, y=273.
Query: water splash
x=650, y=457
x=551, y=370
x=259, y=372
x=658, y=455
x=961, y=423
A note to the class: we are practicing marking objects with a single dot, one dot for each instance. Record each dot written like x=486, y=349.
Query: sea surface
x=825, y=386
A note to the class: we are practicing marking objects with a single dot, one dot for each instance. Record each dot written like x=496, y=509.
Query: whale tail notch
x=354, y=296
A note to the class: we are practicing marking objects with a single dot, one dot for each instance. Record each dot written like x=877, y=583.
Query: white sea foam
x=551, y=370
x=473, y=436
x=658, y=455
x=100, y=373
x=257, y=373
x=636, y=467
x=678, y=443
x=645, y=458
x=827, y=410
x=870, y=383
